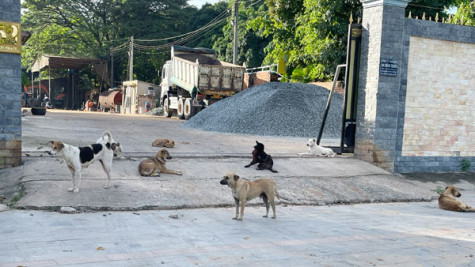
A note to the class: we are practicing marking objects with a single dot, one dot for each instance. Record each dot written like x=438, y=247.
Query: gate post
x=10, y=84
x=379, y=81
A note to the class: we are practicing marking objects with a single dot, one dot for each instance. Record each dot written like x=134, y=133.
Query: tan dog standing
x=155, y=166
x=448, y=201
x=244, y=190
x=168, y=143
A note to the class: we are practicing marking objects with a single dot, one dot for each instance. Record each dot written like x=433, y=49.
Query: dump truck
x=194, y=78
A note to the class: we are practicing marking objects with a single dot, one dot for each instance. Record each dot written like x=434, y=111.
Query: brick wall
x=10, y=89
x=441, y=94
x=436, y=119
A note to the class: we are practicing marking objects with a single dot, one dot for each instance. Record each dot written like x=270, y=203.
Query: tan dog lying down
x=244, y=190
x=155, y=166
x=448, y=201
x=168, y=143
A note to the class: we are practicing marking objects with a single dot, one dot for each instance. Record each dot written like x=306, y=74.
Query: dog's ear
x=314, y=140
x=60, y=146
x=113, y=146
x=236, y=177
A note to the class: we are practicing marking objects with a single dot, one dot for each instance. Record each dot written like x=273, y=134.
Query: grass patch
x=465, y=165
x=439, y=190
x=12, y=202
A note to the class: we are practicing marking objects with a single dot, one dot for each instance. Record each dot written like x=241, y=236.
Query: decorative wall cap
x=373, y=3
x=10, y=37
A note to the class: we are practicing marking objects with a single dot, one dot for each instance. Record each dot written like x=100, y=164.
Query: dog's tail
x=108, y=135
x=272, y=170
x=276, y=193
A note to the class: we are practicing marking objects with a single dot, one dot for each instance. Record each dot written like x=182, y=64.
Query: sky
x=199, y=3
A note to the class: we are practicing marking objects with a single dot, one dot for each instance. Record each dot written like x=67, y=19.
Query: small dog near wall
x=155, y=166
x=316, y=150
x=117, y=146
x=168, y=143
x=244, y=190
x=448, y=201
x=264, y=160
x=78, y=158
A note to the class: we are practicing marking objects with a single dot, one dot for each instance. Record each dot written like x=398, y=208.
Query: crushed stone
x=274, y=109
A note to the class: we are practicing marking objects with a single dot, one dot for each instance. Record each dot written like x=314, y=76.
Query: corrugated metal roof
x=57, y=62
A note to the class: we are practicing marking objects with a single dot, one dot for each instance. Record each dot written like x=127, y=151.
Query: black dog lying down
x=259, y=156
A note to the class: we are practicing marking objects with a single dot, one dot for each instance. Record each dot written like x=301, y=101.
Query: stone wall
x=10, y=89
x=377, y=104
x=416, y=98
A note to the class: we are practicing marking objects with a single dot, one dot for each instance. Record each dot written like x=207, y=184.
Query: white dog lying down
x=316, y=150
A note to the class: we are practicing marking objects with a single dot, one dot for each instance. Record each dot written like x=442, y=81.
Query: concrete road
x=384, y=234
x=137, y=132
x=389, y=234
x=203, y=158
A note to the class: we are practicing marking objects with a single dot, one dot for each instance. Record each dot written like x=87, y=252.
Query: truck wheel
x=188, y=109
x=180, y=109
x=166, y=109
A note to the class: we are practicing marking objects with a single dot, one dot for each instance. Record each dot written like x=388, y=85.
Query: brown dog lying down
x=448, y=201
x=155, y=166
x=168, y=143
x=245, y=190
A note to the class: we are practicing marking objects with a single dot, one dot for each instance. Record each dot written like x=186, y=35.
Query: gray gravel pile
x=273, y=109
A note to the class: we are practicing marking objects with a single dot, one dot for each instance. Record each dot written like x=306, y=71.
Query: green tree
x=429, y=8
x=465, y=12
x=251, y=45
x=311, y=35
x=88, y=28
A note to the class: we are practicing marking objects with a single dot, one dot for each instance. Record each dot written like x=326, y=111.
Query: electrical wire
x=184, y=38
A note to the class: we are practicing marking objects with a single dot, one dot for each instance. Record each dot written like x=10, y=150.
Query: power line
x=184, y=37
x=220, y=16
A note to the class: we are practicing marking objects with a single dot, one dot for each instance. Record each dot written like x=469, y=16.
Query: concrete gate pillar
x=10, y=84
x=379, y=81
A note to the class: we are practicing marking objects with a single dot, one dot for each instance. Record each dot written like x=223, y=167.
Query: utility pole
x=235, y=43
x=112, y=67
x=131, y=59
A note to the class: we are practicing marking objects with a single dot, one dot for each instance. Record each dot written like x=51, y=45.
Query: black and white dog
x=80, y=157
x=117, y=146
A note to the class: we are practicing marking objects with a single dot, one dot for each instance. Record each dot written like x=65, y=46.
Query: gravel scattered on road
x=274, y=109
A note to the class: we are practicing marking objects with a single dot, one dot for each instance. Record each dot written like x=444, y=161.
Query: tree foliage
x=90, y=28
x=309, y=35
x=250, y=44
x=465, y=12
